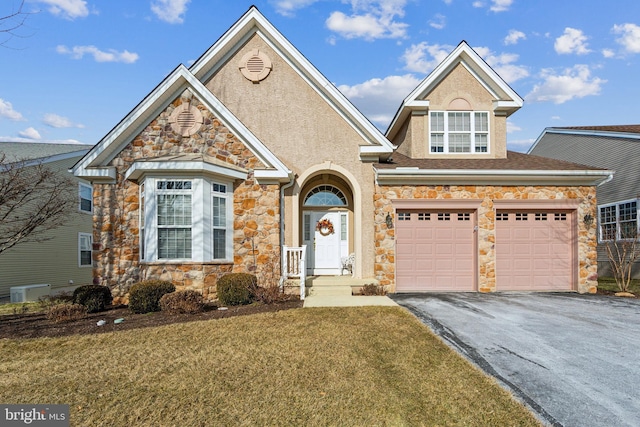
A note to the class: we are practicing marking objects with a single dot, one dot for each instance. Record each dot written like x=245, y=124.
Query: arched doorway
x=327, y=215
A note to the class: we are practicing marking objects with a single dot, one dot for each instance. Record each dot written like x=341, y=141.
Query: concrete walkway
x=346, y=301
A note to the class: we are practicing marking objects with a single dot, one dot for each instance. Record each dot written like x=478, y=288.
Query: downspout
x=283, y=188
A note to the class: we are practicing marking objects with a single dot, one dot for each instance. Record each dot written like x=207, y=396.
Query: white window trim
x=472, y=132
x=618, y=229
x=80, y=236
x=90, y=187
x=201, y=219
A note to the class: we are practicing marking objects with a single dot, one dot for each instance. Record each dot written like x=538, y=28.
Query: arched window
x=325, y=195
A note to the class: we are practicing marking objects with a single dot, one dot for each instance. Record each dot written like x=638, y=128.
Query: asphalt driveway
x=573, y=359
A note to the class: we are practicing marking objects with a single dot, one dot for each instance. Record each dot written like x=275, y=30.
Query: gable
x=504, y=100
x=284, y=111
x=253, y=31
x=97, y=164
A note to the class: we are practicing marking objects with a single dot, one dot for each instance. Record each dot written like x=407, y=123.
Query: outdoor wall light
x=588, y=220
x=389, y=221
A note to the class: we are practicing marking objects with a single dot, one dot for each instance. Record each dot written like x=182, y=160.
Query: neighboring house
x=252, y=148
x=66, y=255
x=611, y=147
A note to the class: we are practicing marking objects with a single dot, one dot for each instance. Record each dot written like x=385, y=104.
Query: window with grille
x=619, y=221
x=404, y=216
x=459, y=132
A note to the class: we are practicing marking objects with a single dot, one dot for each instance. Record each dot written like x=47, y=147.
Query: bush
x=144, y=297
x=236, y=288
x=183, y=302
x=372, y=289
x=66, y=312
x=270, y=294
x=94, y=297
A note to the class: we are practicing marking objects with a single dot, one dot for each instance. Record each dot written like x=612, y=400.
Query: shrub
x=66, y=312
x=183, y=302
x=372, y=289
x=144, y=297
x=236, y=288
x=270, y=294
x=94, y=297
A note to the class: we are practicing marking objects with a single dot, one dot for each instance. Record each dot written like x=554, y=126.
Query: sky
x=71, y=70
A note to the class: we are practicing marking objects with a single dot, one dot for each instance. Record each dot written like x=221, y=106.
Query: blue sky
x=75, y=68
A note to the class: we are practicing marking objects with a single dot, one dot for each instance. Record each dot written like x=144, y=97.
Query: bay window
x=459, y=132
x=185, y=219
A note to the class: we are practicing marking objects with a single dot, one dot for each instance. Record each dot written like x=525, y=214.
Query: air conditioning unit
x=29, y=292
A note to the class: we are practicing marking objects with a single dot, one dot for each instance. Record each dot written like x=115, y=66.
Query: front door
x=326, y=241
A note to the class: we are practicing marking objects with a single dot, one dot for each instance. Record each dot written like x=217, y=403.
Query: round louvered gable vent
x=255, y=66
x=186, y=119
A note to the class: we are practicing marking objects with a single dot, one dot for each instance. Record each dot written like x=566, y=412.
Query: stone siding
x=385, y=238
x=256, y=210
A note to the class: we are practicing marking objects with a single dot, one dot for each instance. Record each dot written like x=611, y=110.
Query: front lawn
x=364, y=366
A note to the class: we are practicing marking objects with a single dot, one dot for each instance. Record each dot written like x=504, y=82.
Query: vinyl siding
x=621, y=155
x=54, y=261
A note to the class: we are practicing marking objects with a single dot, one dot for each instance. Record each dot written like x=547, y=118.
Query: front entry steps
x=337, y=291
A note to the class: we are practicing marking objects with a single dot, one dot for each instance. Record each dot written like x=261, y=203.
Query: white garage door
x=534, y=251
x=434, y=251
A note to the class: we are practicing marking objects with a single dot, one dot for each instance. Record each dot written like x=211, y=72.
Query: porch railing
x=294, y=266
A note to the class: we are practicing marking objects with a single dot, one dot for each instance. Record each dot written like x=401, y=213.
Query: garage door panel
x=442, y=251
x=535, y=254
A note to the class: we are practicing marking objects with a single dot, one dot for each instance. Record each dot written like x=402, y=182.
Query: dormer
x=459, y=110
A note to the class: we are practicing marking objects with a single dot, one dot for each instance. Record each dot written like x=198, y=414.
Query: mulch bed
x=34, y=325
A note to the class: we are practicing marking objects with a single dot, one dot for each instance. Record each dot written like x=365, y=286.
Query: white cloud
x=496, y=5
x=68, y=9
x=608, y=53
x=514, y=37
x=503, y=64
x=630, y=37
x=171, y=11
x=512, y=127
x=575, y=82
x=423, y=57
x=520, y=145
x=7, y=111
x=288, y=7
x=59, y=122
x=378, y=99
x=77, y=52
x=30, y=133
x=371, y=19
x=438, y=22
x=572, y=41
x=500, y=5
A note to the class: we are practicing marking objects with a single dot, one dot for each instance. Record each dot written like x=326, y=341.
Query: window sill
x=185, y=262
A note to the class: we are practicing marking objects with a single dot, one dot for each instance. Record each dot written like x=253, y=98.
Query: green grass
x=369, y=366
x=609, y=284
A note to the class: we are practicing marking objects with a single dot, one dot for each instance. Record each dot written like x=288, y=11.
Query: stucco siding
x=55, y=260
x=305, y=132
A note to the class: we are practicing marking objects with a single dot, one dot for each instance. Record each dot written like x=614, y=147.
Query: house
x=65, y=257
x=611, y=147
x=252, y=148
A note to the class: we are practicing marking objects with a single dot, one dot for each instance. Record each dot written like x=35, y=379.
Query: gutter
x=475, y=176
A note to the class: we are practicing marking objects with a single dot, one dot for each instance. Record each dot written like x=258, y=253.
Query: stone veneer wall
x=385, y=238
x=256, y=210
